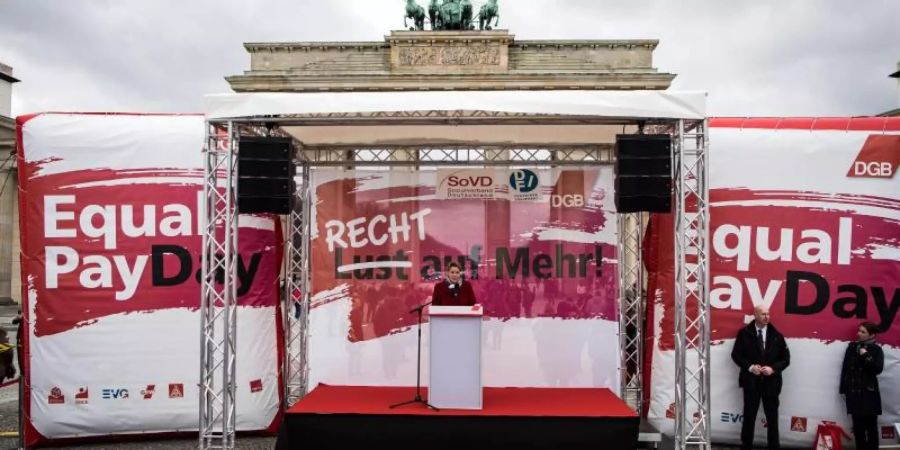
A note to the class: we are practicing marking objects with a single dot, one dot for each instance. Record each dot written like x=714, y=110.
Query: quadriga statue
x=452, y=15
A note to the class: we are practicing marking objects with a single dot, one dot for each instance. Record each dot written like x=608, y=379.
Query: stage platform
x=522, y=418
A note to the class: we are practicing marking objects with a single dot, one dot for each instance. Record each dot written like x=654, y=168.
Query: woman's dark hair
x=452, y=265
x=870, y=327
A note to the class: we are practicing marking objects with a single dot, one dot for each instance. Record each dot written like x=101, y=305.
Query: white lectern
x=455, y=357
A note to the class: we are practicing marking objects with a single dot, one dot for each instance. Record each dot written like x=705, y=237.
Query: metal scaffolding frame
x=692, y=402
x=631, y=317
x=218, y=306
x=523, y=154
x=296, y=295
x=218, y=299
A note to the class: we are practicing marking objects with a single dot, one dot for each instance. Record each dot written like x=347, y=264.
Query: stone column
x=8, y=218
x=16, y=255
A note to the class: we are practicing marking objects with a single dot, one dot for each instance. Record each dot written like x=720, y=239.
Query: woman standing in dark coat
x=453, y=291
x=863, y=361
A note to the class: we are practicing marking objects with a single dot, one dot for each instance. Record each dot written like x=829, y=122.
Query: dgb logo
x=523, y=180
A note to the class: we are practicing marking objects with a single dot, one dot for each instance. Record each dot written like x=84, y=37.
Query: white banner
x=806, y=220
x=545, y=272
x=111, y=235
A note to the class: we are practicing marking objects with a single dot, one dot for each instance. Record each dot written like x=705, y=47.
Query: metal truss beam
x=218, y=302
x=631, y=282
x=296, y=293
x=692, y=313
x=455, y=155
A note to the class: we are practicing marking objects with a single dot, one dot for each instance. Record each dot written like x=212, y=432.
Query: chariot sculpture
x=452, y=15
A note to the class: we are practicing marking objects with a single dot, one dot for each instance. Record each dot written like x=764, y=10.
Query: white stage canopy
x=608, y=104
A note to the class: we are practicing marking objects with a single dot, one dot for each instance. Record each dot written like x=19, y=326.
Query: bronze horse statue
x=452, y=15
x=465, y=15
x=455, y=15
x=434, y=14
x=488, y=12
x=416, y=13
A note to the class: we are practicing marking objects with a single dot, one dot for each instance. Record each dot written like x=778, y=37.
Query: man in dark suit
x=762, y=354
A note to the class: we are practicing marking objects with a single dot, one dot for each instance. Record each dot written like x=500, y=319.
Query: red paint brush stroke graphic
x=71, y=304
x=868, y=274
x=454, y=227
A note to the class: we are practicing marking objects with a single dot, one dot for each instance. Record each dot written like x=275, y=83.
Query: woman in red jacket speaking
x=453, y=291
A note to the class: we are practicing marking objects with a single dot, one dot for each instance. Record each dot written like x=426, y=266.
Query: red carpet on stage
x=523, y=402
x=343, y=417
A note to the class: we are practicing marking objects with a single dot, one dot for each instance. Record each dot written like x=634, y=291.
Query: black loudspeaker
x=643, y=173
x=265, y=175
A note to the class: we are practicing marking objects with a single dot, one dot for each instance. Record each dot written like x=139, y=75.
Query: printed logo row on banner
x=799, y=424
x=497, y=184
x=82, y=395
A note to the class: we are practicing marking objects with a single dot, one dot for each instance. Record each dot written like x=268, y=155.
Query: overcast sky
x=759, y=57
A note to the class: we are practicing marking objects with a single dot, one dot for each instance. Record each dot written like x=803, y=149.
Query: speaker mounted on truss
x=643, y=173
x=265, y=175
